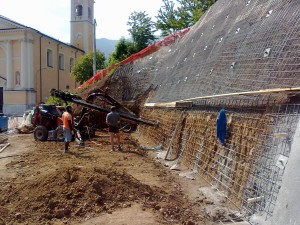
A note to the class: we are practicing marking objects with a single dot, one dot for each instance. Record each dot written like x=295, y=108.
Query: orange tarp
x=170, y=39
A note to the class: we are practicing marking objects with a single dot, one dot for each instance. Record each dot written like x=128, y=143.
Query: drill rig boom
x=78, y=100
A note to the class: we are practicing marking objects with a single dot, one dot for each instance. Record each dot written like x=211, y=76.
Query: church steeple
x=82, y=24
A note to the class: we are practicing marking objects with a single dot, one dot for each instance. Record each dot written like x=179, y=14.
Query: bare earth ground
x=39, y=184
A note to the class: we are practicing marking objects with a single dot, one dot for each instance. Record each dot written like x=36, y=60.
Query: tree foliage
x=142, y=29
x=83, y=68
x=123, y=49
x=142, y=34
x=167, y=18
x=171, y=18
x=55, y=101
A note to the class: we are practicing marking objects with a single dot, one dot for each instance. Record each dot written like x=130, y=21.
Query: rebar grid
x=246, y=168
x=235, y=47
x=168, y=119
x=268, y=174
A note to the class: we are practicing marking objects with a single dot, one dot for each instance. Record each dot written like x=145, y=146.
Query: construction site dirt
x=39, y=184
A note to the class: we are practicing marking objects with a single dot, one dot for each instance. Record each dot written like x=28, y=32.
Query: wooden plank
x=263, y=91
x=163, y=104
x=238, y=223
x=186, y=104
x=4, y=147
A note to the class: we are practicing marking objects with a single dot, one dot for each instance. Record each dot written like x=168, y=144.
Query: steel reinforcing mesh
x=236, y=46
x=247, y=168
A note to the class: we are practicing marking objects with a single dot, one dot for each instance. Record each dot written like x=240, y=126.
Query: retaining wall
x=237, y=46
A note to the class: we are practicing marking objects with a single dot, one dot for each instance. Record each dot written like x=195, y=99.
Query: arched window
x=78, y=10
x=90, y=13
x=17, y=78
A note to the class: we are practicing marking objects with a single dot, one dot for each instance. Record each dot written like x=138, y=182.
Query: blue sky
x=53, y=17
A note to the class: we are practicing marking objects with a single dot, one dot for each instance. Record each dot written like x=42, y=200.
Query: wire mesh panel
x=249, y=167
x=264, y=182
x=234, y=47
x=237, y=46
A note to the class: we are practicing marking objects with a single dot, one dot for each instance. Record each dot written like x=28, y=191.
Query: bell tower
x=82, y=24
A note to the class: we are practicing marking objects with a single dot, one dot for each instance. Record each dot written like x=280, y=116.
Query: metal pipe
x=78, y=100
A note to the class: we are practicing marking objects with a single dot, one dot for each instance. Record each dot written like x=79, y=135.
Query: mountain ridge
x=105, y=45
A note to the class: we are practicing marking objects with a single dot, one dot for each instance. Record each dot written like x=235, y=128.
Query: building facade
x=31, y=63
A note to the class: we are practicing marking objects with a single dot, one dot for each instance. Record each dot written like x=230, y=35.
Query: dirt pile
x=75, y=192
x=45, y=186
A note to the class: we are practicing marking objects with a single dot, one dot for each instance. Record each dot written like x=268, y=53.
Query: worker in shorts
x=113, y=121
x=67, y=126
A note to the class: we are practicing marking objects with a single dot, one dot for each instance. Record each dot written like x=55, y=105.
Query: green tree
x=186, y=14
x=167, y=18
x=207, y=3
x=123, y=50
x=83, y=68
x=55, y=101
x=142, y=29
x=190, y=12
